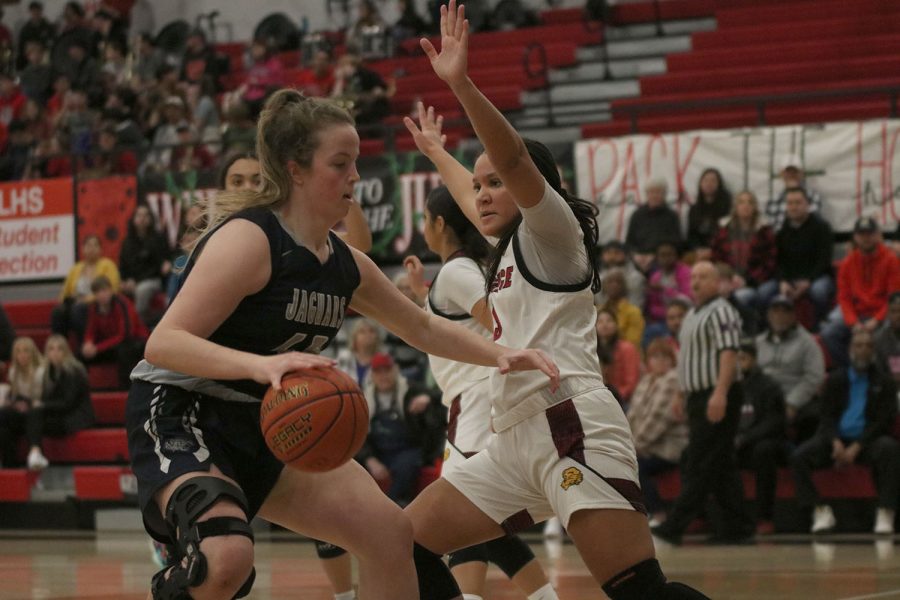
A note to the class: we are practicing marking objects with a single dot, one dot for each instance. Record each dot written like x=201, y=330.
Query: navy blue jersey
x=301, y=308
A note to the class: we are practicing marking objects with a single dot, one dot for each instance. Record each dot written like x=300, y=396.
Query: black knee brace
x=509, y=553
x=191, y=500
x=435, y=580
x=645, y=581
x=326, y=550
x=476, y=553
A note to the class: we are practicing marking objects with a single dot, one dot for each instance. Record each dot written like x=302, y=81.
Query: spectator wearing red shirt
x=112, y=160
x=624, y=370
x=114, y=331
x=866, y=277
x=318, y=80
x=190, y=155
x=265, y=74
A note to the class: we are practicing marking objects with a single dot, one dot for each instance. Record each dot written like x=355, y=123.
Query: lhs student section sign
x=37, y=229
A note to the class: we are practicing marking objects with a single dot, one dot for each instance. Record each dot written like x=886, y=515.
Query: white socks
x=545, y=593
x=351, y=595
x=471, y=597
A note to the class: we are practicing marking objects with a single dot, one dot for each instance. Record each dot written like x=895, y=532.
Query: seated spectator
x=368, y=20
x=114, y=332
x=36, y=29
x=61, y=86
x=406, y=429
x=858, y=410
x=713, y=202
x=66, y=397
x=760, y=441
x=77, y=121
x=18, y=416
x=364, y=343
x=789, y=354
x=16, y=159
x=115, y=64
x=148, y=59
x=867, y=276
x=363, y=89
x=887, y=339
x=143, y=261
x=659, y=436
x=676, y=309
x=747, y=244
x=804, y=244
x=239, y=133
x=201, y=100
x=625, y=367
x=318, y=79
x=265, y=74
x=70, y=316
x=670, y=279
x=628, y=316
x=652, y=224
x=190, y=154
x=166, y=137
x=793, y=176
x=83, y=69
x=413, y=363
x=110, y=159
x=749, y=317
x=37, y=77
x=614, y=256
x=409, y=24
x=200, y=60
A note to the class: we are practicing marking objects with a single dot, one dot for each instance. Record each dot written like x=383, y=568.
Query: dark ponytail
x=441, y=204
x=584, y=211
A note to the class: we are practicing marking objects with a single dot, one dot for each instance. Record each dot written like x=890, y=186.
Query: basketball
x=317, y=421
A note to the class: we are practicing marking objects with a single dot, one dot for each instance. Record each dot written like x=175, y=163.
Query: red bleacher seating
x=88, y=446
x=109, y=407
x=102, y=483
x=103, y=376
x=15, y=485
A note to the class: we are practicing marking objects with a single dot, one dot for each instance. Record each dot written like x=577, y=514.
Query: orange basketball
x=317, y=422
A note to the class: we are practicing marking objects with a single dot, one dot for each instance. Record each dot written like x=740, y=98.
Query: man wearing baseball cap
x=867, y=276
x=793, y=176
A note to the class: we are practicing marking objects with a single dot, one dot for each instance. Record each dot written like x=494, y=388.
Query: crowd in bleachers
x=821, y=357
x=88, y=94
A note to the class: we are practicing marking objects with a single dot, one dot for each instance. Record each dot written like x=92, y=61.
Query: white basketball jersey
x=454, y=377
x=558, y=319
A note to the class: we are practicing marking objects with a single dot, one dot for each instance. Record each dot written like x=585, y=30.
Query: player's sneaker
x=553, y=528
x=884, y=521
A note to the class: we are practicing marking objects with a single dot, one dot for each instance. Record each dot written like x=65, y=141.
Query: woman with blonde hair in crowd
x=18, y=414
x=659, y=435
x=746, y=243
x=66, y=395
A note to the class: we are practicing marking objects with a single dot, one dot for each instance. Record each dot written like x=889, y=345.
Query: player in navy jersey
x=266, y=287
x=565, y=451
x=457, y=293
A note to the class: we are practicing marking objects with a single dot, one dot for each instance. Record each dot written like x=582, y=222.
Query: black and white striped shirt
x=707, y=330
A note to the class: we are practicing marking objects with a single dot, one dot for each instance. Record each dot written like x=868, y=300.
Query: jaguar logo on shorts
x=571, y=476
x=446, y=453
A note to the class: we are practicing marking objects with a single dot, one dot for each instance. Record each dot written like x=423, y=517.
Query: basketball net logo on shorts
x=571, y=476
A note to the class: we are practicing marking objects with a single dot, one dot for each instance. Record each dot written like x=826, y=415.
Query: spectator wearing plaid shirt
x=659, y=435
x=747, y=244
x=793, y=176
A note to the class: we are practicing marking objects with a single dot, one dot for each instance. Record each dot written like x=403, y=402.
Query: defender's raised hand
x=429, y=137
x=451, y=63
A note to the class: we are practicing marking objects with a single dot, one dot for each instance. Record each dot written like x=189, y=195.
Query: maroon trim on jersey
x=453, y=419
x=566, y=429
x=568, y=437
x=517, y=522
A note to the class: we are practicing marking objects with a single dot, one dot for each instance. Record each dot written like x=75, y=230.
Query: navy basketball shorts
x=172, y=431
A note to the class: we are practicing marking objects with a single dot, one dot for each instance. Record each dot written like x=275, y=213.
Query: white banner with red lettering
x=37, y=229
x=855, y=166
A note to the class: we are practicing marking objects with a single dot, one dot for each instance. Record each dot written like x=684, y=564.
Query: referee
x=707, y=368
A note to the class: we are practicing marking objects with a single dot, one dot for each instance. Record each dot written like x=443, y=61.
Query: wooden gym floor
x=118, y=566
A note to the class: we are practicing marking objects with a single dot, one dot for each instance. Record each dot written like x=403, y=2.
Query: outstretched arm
x=504, y=147
x=430, y=142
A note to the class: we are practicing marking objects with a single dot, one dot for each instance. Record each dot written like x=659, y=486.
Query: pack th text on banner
x=37, y=229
